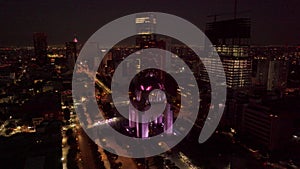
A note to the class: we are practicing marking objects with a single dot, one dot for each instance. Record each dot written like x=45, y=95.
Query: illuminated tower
x=40, y=47
x=146, y=38
x=145, y=28
x=231, y=39
x=136, y=117
x=145, y=23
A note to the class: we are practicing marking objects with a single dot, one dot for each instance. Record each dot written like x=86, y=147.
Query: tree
x=67, y=114
x=69, y=132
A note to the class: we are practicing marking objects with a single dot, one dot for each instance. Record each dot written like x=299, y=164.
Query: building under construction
x=231, y=39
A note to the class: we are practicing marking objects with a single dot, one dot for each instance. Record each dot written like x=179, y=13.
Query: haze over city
x=274, y=22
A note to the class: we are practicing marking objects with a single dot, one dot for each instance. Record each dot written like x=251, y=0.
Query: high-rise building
x=261, y=124
x=270, y=68
x=231, y=39
x=277, y=74
x=145, y=29
x=40, y=47
x=137, y=117
x=71, y=53
x=145, y=38
x=270, y=122
x=260, y=69
x=145, y=23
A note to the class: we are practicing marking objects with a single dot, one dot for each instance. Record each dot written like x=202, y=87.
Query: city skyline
x=150, y=90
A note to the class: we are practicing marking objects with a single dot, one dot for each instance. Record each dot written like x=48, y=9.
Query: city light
x=43, y=122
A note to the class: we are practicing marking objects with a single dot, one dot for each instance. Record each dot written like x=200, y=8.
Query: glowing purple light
x=149, y=88
x=161, y=86
x=75, y=40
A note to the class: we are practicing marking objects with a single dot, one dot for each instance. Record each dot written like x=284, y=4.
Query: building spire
x=75, y=39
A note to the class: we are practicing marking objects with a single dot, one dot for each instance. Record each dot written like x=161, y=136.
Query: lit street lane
x=86, y=152
x=181, y=160
x=65, y=149
x=103, y=155
x=127, y=163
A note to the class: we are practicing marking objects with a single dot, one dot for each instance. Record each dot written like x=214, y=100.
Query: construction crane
x=235, y=12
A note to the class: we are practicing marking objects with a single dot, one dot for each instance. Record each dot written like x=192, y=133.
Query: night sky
x=273, y=21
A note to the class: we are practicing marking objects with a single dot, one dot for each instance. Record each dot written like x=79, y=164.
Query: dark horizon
x=273, y=22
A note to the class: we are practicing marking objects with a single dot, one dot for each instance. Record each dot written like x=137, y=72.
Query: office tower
x=260, y=124
x=277, y=74
x=146, y=38
x=271, y=122
x=231, y=39
x=260, y=69
x=270, y=68
x=40, y=47
x=71, y=53
x=145, y=23
x=145, y=29
x=136, y=117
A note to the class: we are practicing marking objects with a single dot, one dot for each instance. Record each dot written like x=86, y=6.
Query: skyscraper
x=231, y=40
x=137, y=117
x=277, y=74
x=145, y=29
x=145, y=23
x=40, y=47
x=71, y=53
x=270, y=68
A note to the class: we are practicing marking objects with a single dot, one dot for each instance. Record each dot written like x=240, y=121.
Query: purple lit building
x=136, y=117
